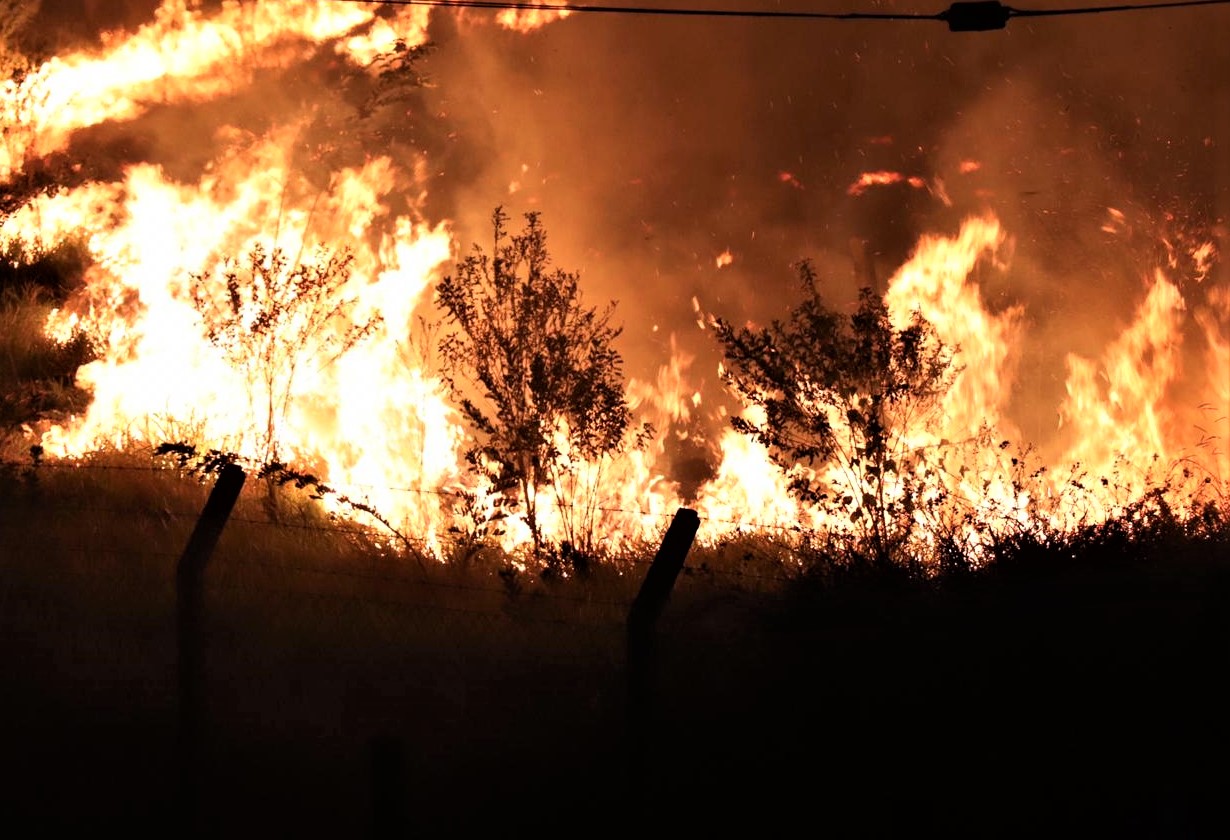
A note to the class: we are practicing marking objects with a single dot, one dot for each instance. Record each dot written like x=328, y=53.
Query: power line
x=1142, y=7
x=970, y=16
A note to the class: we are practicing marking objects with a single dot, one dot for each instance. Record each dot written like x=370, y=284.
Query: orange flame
x=182, y=56
x=883, y=178
x=377, y=423
x=527, y=20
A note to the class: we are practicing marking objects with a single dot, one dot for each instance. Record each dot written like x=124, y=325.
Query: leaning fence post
x=642, y=620
x=189, y=603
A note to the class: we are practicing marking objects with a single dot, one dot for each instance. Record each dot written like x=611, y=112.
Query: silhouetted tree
x=535, y=371
x=838, y=390
x=270, y=316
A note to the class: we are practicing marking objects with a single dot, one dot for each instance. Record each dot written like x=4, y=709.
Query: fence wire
x=346, y=526
x=26, y=510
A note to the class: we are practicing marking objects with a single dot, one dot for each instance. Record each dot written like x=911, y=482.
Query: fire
x=1117, y=407
x=527, y=20
x=183, y=55
x=157, y=377
x=749, y=493
x=789, y=178
x=1214, y=425
x=883, y=178
x=376, y=422
x=935, y=281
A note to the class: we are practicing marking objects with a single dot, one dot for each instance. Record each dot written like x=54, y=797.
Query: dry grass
x=36, y=373
x=1091, y=653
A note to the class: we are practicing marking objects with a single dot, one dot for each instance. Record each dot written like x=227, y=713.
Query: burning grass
x=501, y=672
x=118, y=504
x=36, y=371
x=930, y=507
x=889, y=567
x=208, y=325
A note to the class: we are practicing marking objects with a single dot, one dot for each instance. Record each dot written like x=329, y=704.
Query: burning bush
x=204, y=129
x=36, y=372
x=537, y=376
x=838, y=391
x=270, y=317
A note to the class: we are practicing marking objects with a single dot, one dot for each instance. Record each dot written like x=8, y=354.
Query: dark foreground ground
x=1088, y=702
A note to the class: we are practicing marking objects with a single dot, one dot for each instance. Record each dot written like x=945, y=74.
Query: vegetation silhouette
x=537, y=376
x=838, y=389
x=270, y=315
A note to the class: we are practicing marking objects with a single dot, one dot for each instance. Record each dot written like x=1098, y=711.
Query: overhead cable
x=971, y=16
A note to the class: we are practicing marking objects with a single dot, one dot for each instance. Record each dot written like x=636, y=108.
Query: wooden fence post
x=189, y=613
x=641, y=653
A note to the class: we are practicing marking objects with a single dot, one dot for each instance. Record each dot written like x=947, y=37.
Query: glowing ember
x=883, y=178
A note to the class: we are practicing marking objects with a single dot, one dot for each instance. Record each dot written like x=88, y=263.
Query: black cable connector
x=976, y=16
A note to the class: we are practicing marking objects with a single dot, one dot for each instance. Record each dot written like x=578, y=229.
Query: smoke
x=651, y=145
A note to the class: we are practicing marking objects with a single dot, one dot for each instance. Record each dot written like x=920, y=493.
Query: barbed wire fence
x=353, y=524
x=240, y=584
x=89, y=582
